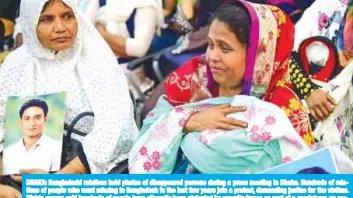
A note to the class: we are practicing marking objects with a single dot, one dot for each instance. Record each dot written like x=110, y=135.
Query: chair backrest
x=152, y=100
x=70, y=145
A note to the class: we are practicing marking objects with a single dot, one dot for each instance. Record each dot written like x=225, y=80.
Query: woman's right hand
x=215, y=118
x=321, y=104
x=9, y=192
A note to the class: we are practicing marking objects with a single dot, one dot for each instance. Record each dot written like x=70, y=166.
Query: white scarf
x=330, y=131
x=116, y=12
x=88, y=71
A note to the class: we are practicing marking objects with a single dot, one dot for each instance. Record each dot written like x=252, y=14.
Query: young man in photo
x=35, y=150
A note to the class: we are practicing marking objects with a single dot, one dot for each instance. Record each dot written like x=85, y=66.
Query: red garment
x=271, y=41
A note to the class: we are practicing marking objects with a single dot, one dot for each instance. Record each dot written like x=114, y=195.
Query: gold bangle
x=77, y=167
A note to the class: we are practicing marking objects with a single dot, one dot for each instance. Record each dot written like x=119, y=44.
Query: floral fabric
x=266, y=75
x=328, y=16
x=269, y=140
x=263, y=144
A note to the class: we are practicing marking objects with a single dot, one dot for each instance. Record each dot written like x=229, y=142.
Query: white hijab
x=116, y=12
x=90, y=75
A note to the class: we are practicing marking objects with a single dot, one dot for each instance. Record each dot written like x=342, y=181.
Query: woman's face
x=57, y=26
x=225, y=55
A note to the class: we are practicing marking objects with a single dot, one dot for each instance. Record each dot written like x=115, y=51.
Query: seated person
x=62, y=52
x=242, y=66
x=320, y=103
x=128, y=41
x=195, y=42
x=128, y=27
x=178, y=23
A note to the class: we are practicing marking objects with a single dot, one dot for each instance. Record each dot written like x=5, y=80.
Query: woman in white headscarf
x=63, y=52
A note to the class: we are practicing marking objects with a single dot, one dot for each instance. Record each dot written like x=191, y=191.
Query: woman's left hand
x=18, y=179
x=321, y=104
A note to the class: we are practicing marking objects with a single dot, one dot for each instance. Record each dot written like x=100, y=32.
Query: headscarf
x=90, y=75
x=266, y=74
x=116, y=12
x=216, y=151
x=271, y=41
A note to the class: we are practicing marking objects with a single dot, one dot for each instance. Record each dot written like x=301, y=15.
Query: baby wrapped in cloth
x=269, y=140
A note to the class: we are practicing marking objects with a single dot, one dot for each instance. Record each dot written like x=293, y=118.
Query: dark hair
x=237, y=19
x=313, y=170
x=34, y=103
